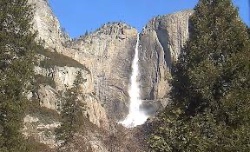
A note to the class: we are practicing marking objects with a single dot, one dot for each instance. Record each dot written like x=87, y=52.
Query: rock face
x=50, y=95
x=41, y=129
x=64, y=77
x=108, y=53
x=160, y=45
x=105, y=58
x=47, y=26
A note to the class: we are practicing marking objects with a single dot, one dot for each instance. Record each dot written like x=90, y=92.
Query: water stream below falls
x=135, y=116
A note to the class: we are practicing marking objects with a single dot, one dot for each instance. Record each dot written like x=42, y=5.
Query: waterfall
x=135, y=116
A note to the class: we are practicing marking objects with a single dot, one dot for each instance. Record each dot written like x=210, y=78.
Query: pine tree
x=72, y=117
x=210, y=86
x=16, y=66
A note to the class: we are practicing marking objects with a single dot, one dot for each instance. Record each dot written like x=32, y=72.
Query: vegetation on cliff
x=248, y=31
x=72, y=118
x=210, y=106
x=16, y=70
x=53, y=59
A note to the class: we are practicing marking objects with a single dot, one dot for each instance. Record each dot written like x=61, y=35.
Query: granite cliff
x=108, y=53
x=104, y=59
x=161, y=41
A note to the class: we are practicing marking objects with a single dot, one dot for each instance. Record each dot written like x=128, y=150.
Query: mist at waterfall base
x=135, y=116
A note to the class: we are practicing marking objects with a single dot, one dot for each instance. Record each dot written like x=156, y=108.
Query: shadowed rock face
x=160, y=45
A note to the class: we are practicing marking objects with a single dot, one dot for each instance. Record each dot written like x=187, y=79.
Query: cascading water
x=135, y=116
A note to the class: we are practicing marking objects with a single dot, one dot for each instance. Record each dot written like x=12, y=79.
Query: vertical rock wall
x=47, y=25
x=108, y=53
x=161, y=42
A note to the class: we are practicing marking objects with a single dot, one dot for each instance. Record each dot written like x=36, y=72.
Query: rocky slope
x=104, y=59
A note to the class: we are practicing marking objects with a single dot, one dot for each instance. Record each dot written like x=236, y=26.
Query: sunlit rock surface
x=160, y=45
x=107, y=56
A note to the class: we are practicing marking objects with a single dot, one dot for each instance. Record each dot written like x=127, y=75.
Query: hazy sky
x=77, y=16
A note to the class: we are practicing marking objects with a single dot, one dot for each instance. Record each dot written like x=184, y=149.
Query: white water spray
x=135, y=116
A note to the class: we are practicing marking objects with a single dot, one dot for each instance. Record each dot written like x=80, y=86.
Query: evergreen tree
x=210, y=86
x=72, y=113
x=86, y=33
x=16, y=66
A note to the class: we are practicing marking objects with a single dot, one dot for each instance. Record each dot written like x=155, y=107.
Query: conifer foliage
x=72, y=118
x=16, y=66
x=210, y=109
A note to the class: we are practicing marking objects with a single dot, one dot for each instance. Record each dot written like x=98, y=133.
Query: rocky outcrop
x=160, y=45
x=41, y=129
x=47, y=26
x=48, y=97
x=95, y=112
x=64, y=77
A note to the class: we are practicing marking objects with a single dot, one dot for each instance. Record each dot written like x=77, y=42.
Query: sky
x=79, y=16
